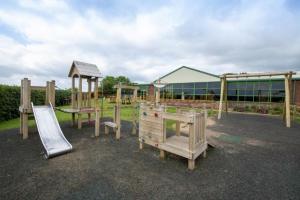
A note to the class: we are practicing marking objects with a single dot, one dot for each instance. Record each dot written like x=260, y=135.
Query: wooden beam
x=221, y=97
x=126, y=87
x=287, y=101
x=178, y=117
x=245, y=75
x=38, y=88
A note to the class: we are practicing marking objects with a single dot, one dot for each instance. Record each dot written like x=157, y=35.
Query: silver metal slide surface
x=50, y=132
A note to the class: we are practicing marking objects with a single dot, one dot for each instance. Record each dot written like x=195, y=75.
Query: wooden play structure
x=116, y=124
x=84, y=102
x=152, y=131
x=25, y=101
x=287, y=80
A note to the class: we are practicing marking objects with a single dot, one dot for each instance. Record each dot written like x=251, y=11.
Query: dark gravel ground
x=256, y=157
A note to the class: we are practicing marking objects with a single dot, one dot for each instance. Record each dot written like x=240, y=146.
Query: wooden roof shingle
x=84, y=69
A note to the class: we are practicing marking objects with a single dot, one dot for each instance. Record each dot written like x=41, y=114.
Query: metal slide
x=50, y=133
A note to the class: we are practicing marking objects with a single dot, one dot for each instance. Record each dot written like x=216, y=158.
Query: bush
x=10, y=100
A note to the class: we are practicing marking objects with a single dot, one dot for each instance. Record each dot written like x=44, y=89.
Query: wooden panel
x=178, y=117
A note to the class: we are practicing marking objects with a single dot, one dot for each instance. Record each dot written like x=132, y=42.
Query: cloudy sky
x=144, y=39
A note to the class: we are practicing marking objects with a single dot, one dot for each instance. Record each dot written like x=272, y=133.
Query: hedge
x=10, y=100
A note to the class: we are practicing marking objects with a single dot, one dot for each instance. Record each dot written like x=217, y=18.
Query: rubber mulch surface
x=255, y=157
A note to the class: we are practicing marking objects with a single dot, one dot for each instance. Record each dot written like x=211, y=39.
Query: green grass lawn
x=126, y=114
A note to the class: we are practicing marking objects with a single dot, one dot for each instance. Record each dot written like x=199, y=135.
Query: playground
x=254, y=158
x=132, y=148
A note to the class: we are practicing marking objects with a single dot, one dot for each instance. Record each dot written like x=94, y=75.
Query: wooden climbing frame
x=25, y=108
x=116, y=124
x=153, y=131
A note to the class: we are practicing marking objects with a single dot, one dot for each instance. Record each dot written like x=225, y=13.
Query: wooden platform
x=180, y=145
x=72, y=110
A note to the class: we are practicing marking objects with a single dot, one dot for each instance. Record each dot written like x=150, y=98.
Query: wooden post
x=47, y=99
x=225, y=95
x=79, y=100
x=97, y=123
x=118, y=121
x=287, y=101
x=177, y=128
x=52, y=93
x=26, y=106
x=106, y=129
x=157, y=97
x=191, y=164
x=21, y=105
x=73, y=93
x=162, y=154
x=96, y=93
x=118, y=96
x=134, y=112
x=89, y=97
x=25, y=125
x=221, y=97
x=191, y=137
x=141, y=145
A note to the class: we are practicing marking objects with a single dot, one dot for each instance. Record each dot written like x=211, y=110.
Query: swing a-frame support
x=287, y=82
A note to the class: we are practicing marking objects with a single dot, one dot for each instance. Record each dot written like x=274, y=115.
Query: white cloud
x=243, y=36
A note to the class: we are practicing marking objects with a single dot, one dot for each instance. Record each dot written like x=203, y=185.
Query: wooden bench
x=112, y=125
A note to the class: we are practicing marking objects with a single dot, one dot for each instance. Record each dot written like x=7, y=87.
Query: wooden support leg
x=177, y=128
x=287, y=103
x=118, y=133
x=21, y=123
x=89, y=118
x=141, y=145
x=79, y=121
x=25, y=126
x=73, y=119
x=134, y=128
x=106, y=130
x=97, y=124
x=191, y=164
x=162, y=154
x=204, y=154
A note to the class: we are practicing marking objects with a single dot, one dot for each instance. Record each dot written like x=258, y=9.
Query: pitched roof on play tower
x=84, y=69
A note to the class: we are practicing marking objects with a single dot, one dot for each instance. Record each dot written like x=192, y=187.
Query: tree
x=109, y=82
